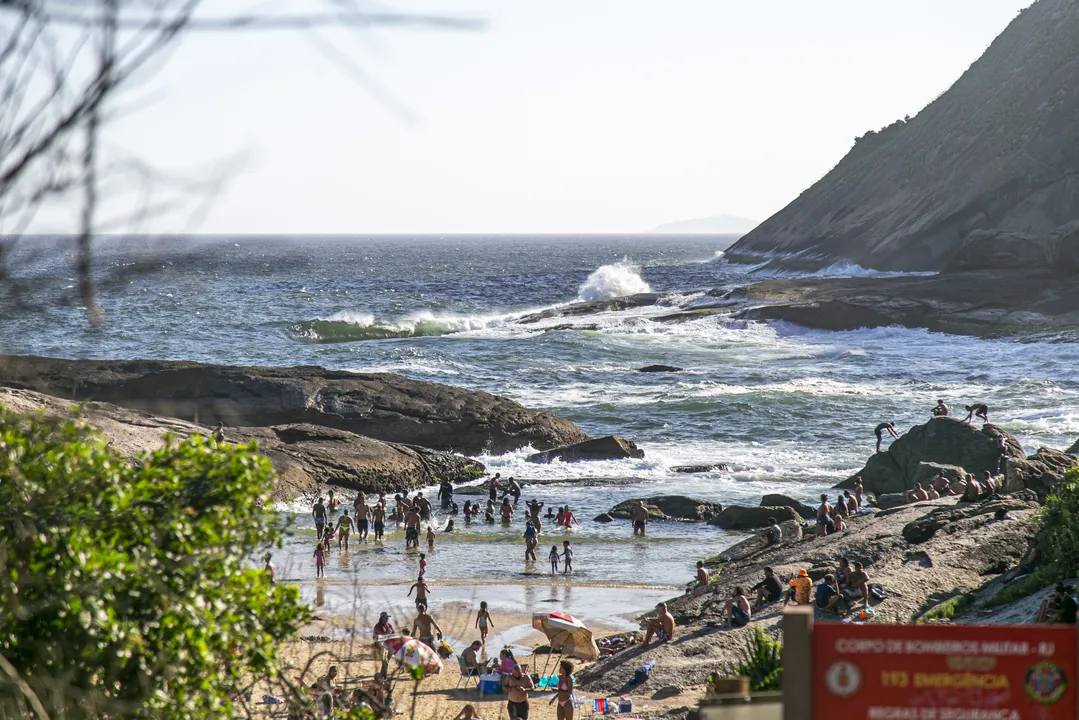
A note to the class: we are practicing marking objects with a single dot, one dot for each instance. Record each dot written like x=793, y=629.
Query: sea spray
x=617, y=280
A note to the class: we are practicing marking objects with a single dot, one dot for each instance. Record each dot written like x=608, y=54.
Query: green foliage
x=947, y=609
x=126, y=589
x=762, y=662
x=1058, y=543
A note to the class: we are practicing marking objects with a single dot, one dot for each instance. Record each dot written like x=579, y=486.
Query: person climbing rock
x=879, y=432
x=977, y=410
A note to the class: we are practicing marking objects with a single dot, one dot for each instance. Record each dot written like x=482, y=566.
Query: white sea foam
x=617, y=280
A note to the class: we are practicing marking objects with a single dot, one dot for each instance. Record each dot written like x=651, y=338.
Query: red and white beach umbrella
x=413, y=653
x=567, y=634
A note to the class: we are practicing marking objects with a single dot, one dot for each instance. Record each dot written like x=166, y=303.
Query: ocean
x=787, y=409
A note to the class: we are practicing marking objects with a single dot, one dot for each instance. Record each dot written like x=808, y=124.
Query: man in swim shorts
x=662, y=626
x=421, y=589
x=879, y=432
x=639, y=515
x=378, y=514
x=318, y=512
x=424, y=627
x=980, y=410
x=363, y=516
x=412, y=528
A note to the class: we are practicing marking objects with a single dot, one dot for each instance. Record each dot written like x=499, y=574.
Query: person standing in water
x=567, y=557
x=318, y=512
x=430, y=538
x=569, y=519
x=879, y=432
x=484, y=622
x=320, y=560
x=344, y=527
x=554, y=559
x=378, y=514
x=531, y=540
x=492, y=489
x=412, y=529
x=363, y=515
x=506, y=511
x=639, y=515
x=980, y=410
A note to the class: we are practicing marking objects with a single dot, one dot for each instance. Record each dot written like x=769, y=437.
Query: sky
x=590, y=116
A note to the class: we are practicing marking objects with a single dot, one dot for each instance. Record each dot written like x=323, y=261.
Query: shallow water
x=787, y=409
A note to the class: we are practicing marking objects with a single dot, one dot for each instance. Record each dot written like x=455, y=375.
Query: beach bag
x=603, y=706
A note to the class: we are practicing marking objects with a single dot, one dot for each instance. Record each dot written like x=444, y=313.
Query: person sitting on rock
x=737, y=610
x=703, y=576
x=980, y=410
x=917, y=494
x=840, y=508
x=773, y=533
x=768, y=590
x=973, y=490
x=987, y=483
x=843, y=573
x=852, y=503
x=1060, y=607
x=1030, y=558
x=828, y=596
x=824, y=517
x=662, y=626
x=932, y=492
x=839, y=525
x=800, y=588
x=879, y=432
x=940, y=410
x=858, y=584
x=941, y=485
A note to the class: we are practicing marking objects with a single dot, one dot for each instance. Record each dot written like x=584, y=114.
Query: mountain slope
x=994, y=159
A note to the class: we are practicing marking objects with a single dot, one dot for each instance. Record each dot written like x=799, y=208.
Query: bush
x=762, y=662
x=126, y=589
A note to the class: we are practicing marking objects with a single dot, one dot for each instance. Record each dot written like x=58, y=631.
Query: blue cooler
x=491, y=684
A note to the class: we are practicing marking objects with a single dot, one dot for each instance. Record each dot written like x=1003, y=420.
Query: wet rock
x=669, y=507
x=693, y=469
x=776, y=500
x=603, y=518
x=382, y=406
x=605, y=448
x=740, y=517
x=941, y=441
x=591, y=307
x=660, y=369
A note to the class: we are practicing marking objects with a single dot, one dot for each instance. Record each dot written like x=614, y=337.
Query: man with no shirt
x=662, y=626
x=639, y=515
x=363, y=516
x=412, y=528
x=424, y=627
x=378, y=514
x=518, y=684
x=318, y=512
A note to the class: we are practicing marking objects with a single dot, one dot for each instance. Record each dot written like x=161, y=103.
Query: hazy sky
x=560, y=116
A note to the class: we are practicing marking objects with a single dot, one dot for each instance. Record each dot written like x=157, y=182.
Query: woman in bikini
x=564, y=696
x=484, y=622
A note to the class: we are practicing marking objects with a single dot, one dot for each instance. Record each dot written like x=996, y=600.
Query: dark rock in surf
x=1074, y=449
x=944, y=441
x=751, y=518
x=776, y=500
x=605, y=448
x=590, y=307
x=603, y=518
x=693, y=469
x=669, y=507
x=660, y=369
x=382, y=406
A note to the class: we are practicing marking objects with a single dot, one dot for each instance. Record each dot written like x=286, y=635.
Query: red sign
x=944, y=672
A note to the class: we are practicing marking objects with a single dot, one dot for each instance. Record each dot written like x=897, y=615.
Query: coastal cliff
x=986, y=176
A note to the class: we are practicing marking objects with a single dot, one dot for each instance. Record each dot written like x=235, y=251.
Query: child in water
x=554, y=559
x=567, y=556
x=430, y=538
x=423, y=563
x=484, y=622
x=320, y=560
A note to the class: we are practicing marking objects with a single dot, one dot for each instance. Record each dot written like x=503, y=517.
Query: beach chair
x=467, y=672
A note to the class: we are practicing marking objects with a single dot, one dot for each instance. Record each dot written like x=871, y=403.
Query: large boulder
x=791, y=531
x=304, y=456
x=611, y=447
x=379, y=405
x=888, y=501
x=740, y=517
x=694, y=469
x=669, y=507
x=1042, y=470
x=776, y=500
x=942, y=441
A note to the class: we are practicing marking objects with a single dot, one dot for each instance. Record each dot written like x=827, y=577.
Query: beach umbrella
x=413, y=653
x=567, y=634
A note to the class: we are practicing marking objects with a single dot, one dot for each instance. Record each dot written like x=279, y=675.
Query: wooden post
x=798, y=663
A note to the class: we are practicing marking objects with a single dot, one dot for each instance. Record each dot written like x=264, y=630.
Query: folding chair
x=467, y=672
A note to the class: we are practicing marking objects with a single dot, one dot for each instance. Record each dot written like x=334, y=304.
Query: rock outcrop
x=776, y=500
x=737, y=517
x=1041, y=471
x=660, y=369
x=382, y=406
x=917, y=454
x=605, y=448
x=305, y=456
x=696, y=469
x=669, y=507
x=998, y=153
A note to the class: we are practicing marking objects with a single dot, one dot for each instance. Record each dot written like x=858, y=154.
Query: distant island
x=715, y=225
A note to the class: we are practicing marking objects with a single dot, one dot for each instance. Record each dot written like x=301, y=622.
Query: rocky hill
x=987, y=175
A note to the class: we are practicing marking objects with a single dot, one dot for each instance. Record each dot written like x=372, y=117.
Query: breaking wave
x=353, y=327
x=610, y=281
